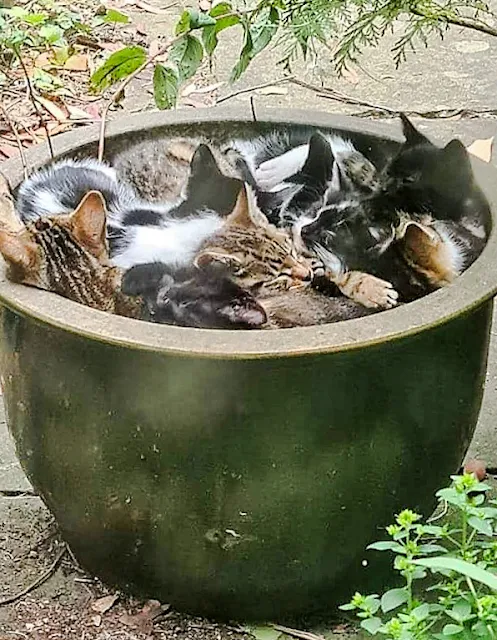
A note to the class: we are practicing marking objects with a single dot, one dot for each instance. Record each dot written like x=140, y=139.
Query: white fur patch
x=174, y=244
x=47, y=203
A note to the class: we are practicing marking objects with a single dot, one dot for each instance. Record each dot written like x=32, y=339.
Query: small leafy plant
x=339, y=29
x=457, y=600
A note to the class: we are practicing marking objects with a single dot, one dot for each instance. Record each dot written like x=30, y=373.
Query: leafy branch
x=301, y=27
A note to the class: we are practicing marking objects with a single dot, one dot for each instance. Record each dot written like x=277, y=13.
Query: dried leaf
x=97, y=620
x=350, y=75
x=141, y=4
x=77, y=62
x=482, y=149
x=8, y=151
x=55, y=111
x=205, y=5
x=44, y=60
x=144, y=619
x=104, y=604
x=154, y=48
x=209, y=88
x=75, y=113
x=272, y=91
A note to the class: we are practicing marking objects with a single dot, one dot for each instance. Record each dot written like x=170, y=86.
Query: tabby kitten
x=264, y=261
x=66, y=254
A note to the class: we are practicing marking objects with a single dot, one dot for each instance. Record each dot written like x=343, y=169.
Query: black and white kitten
x=426, y=223
x=138, y=231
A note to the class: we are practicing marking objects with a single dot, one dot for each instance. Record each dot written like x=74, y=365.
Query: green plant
x=341, y=29
x=459, y=600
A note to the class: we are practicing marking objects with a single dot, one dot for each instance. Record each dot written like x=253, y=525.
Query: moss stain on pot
x=241, y=474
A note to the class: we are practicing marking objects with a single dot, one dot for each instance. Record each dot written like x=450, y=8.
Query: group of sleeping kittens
x=286, y=229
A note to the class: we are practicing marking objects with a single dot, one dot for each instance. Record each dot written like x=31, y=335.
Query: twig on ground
x=252, y=109
x=382, y=111
x=119, y=91
x=254, y=88
x=17, y=493
x=40, y=580
x=35, y=104
x=296, y=633
x=13, y=128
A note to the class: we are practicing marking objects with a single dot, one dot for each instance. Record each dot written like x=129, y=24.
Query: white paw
x=271, y=173
x=378, y=294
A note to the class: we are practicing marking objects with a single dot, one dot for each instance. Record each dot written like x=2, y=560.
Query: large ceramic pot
x=241, y=473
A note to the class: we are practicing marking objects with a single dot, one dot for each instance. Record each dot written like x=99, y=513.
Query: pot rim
x=475, y=286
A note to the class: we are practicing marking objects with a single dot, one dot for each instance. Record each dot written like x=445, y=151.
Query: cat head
x=56, y=253
x=257, y=254
x=207, y=187
x=425, y=177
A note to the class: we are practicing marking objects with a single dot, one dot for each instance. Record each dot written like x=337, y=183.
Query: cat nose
x=301, y=272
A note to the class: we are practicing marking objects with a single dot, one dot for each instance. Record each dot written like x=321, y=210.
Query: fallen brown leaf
x=482, y=149
x=272, y=91
x=44, y=60
x=144, y=619
x=102, y=605
x=350, y=75
x=478, y=467
x=154, y=48
x=141, y=4
x=8, y=151
x=77, y=62
x=52, y=108
x=75, y=113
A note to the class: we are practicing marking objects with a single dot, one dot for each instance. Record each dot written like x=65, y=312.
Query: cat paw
x=272, y=173
x=370, y=291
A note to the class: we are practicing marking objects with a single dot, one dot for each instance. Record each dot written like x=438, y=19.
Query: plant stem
x=34, y=102
x=461, y=21
x=116, y=95
x=478, y=605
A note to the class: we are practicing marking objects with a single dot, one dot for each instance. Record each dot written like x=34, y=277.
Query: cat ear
x=412, y=135
x=457, y=154
x=8, y=217
x=320, y=159
x=88, y=223
x=246, y=213
x=203, y=164
x=247, y=313
x=18, y=251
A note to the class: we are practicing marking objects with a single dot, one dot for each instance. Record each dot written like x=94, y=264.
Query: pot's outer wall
x=239, y=488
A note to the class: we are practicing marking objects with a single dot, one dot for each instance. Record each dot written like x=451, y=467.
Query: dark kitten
x=206, y=298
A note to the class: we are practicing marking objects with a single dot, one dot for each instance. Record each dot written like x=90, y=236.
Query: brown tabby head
x=66, y=254
x=430, y=252
x=260, y=257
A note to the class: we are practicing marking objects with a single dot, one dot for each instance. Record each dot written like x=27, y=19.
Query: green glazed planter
x=241, y=474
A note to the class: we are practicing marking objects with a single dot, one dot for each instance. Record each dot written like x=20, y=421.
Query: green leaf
x=262, y=32
x=386, y=545
x=421, y=613
x=460, y=566
x=481, y=525
x=36, y=18
x=431, y=548
x=393, y=599
x=452, y=629
x=183, y=24
x=220, y=9
x=245, y=57
x=51, y=33
x=118, y=66
x=165, y=87
x=17, y=12
x=209, y=34
x=187, y=53
x=199, y=20
x=461, y=611
x=372, y=625
x=263, y=632
x=112, y=15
